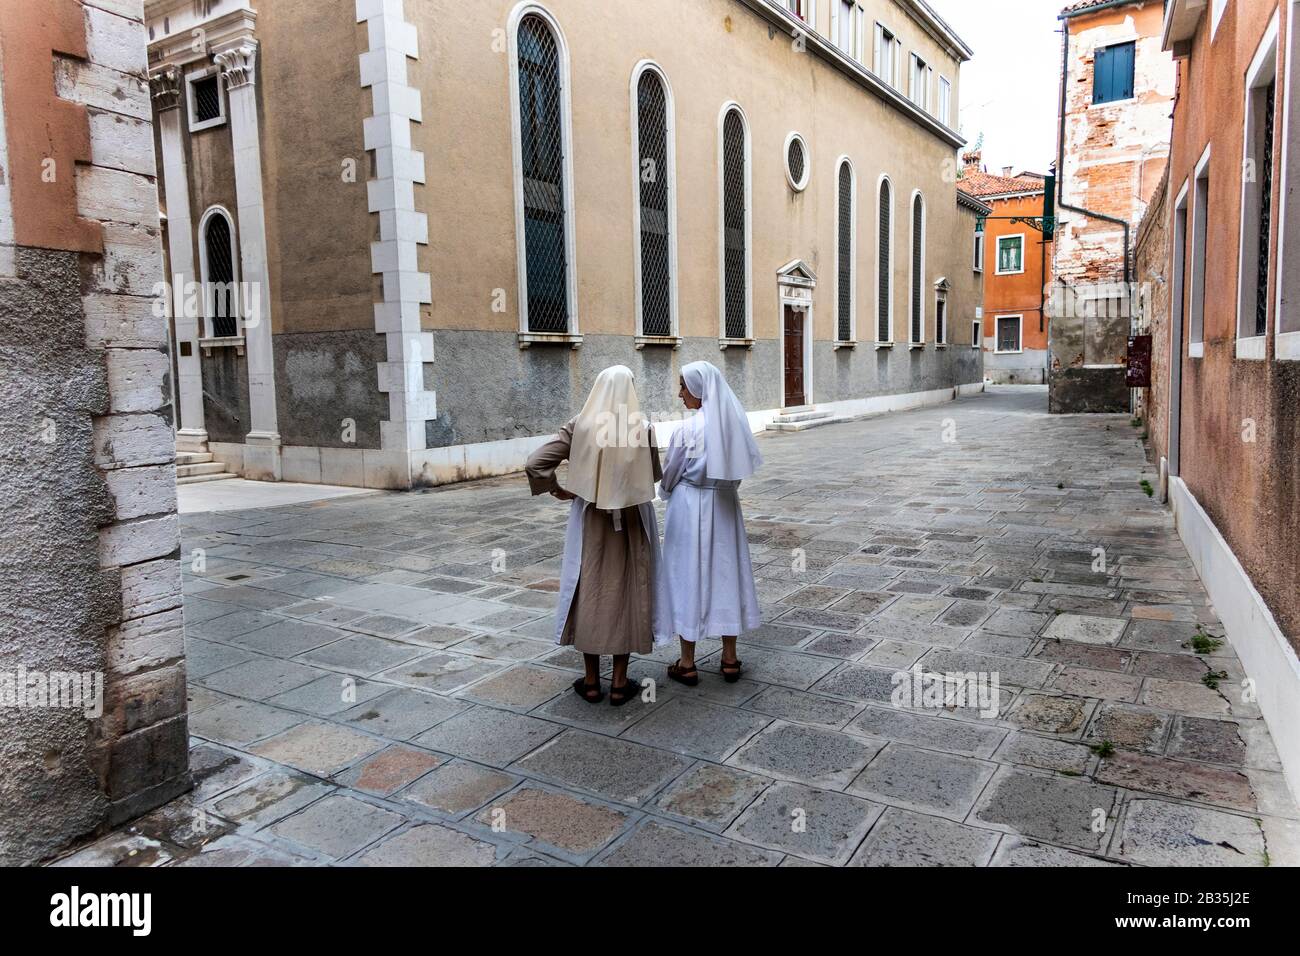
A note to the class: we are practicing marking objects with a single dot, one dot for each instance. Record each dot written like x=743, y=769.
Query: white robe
x=572, y=569
x=705, y=554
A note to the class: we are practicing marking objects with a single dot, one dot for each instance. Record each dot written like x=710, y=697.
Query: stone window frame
x=798, y=185
x=857, y=19
x=526, y=337
x=1020, y=334
x=978, y=253
x=210, y=338
x=975, y=330
x=917, y=283
x=944, y=105
x=674, y=337
x=997, y=262
x=196, y=125
x=886, y=274
x=852, y=340
x=887, y=36
x=1286, y=322
x=723, y=340
x=1262, y=71
x=1199, y=256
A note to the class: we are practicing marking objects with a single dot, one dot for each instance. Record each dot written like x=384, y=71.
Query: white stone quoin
x=391, y=194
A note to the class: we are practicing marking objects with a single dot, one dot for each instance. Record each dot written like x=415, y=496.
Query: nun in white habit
x=611, y=598
x=706, y=554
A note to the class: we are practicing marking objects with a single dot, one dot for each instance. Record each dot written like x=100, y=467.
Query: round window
x=796, y=162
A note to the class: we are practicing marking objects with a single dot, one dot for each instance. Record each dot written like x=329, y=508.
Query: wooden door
x=794, y=385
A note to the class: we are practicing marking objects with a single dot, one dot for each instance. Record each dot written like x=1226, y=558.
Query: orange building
x=1017, y=269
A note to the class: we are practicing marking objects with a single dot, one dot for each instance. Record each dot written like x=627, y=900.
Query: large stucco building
x=446, y=219
x=1117, y=91
x=1225, y=408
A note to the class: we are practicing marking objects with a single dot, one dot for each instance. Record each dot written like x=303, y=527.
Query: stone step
x=192, y=457
x=798, y=421
x=786, y=418
x=195, y=479
x=202, y=468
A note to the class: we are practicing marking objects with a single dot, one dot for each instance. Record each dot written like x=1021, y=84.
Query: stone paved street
x=372, y=680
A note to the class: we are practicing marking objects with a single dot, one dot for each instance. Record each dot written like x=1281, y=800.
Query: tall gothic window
x=219, y=290
x=653, y=176
x=918, y=270
x=735, y=213
x=885, y=271
x=844, y=255
x=541, y=135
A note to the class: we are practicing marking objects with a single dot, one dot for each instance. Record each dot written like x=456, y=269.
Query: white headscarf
x=731, y=454
x=609, y=459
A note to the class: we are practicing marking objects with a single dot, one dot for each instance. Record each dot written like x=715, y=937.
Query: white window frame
x=1200, y=235
x=997, y=262
x=978, y=252
x=853, y=253
x=889, y=266
x=975, y=330
x=674, y=336
x=1286, y=320
x=853, y=47
x=892, y=57
x=195, y=124
x=1263, y=69
x=1217, y=8
x=920, y=74
x=941, y=340
x=574, y=333
x=209, y=330
x=801, y=184
x=945, y=101
x=723, y=340
x=997, y=334
x=918, y=281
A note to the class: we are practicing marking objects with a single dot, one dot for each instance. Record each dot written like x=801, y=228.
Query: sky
x=1010, y=90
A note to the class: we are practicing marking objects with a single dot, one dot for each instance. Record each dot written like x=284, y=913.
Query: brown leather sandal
x=618, y=696
x=731, y=671
x=689, y=676
x=591, y=693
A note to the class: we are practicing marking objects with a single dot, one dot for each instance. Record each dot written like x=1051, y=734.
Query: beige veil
x=609, y=461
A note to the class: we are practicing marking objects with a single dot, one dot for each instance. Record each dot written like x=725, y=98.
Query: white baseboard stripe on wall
x=379, y=468
x=1266, y=655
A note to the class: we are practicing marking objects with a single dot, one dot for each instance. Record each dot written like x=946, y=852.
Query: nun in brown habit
x=612, y=598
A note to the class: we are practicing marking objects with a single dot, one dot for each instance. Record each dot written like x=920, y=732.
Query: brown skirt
x=612, y=610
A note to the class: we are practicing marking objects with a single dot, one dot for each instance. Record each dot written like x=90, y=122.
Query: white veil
x=730, y=449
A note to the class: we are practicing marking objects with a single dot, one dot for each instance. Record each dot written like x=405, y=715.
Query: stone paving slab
x=368, y=687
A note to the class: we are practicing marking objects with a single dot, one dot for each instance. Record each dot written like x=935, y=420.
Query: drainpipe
x=1060, y=172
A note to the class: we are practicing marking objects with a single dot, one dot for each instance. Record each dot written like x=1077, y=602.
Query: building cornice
x=934, y=25
x=1182, y=20
x=970, y=202
x=227, y=31
x=815, y=43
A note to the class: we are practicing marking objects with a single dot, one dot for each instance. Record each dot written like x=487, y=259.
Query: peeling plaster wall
x=1115, y=156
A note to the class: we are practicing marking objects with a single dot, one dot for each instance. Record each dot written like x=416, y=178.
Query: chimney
x=971, y=161
x=1006, y=171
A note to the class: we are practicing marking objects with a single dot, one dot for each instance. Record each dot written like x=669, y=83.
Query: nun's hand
x=563, y=495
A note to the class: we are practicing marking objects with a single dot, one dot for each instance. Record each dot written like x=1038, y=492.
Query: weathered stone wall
x=1151, y=270
x=89, y=570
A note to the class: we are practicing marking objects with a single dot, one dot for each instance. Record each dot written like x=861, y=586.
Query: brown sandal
x=585, y=691
x=618, y=696
x=689, y=676
x=731, y=671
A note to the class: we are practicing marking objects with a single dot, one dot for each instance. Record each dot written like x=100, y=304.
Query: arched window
x=885, y=270
x=735, y=225
x=543, y=182
x=918, y=270
x=656, y=215
x=219, y=273
x=844, y=250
